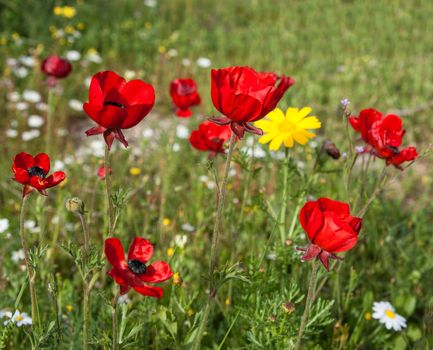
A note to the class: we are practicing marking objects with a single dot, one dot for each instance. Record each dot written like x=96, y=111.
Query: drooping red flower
x=384, y=135
x=134, y=273
x=243, y=95
x=330, y=228
x=56, y=66
x=184, y=96
x=115, y=104
x=210, y=137
x=32, y=173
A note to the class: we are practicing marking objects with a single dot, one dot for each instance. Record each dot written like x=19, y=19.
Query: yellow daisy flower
x=289, y=128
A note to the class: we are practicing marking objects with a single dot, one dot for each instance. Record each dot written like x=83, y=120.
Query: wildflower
x=56, y=66
x=115, y=104
x=32, y=171
x=166, y=222
x=123, y=299
x=331, y=149
x=31, y=96
x=344, y=102
x=184, y=95
x=4, y=225
x=5, y=313
x=134, y=273
x=227, y=302
x=288, y=307
x=210, y=137
x=243, y=95
x=17, y=255
x=188, y=227
x=384, y=136
x=12, y=133
x=385, y=313
x=170, y=252
x=367, y=316
x=20, y=319
x=182, y=131
x=69, y=308
x=289, y=128
x=177, y=280
x=180, y=240
x=134, y=171
x=75, y=205
x=101, y=172
x=330, y=228
x=75, y=105
x=73, y=55
x=35, y=121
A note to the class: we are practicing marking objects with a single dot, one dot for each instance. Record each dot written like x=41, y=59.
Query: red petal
x=22, y=176
x=23, y=161
x=312, y=252
x=183, y=113
x=150, y=291
x=220, y=120
x=311, y=219
x=55, y=179
x=109, y=138
x=42, y=160
x=141, y=249
x=95, y=130
x=113, y=250
x=38, y=183
x=324, y=258
x=118, y=134
x=124, y=288
x=326, y=204
x=157, y=272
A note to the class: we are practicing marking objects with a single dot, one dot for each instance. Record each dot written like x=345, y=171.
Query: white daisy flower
x=12, y=133
x=22, y=106
x=94, y=57
x=182, y=131
x=76, y=105
x=73, y=55
x=384, y=312
x=204, y=62
x=31, y=96
x=18, y=255
x=20, y=319
x=30, y=135
x=35, y=121
x=180, y=240
x=4, y=225
x=21, y=72
x=5, y=313
x=28, y=61
x=13, y=96
x=176, y=147
x=150, y=3
x=42, y=106
x=188, y=227
x=186, y=62
x=30, y=225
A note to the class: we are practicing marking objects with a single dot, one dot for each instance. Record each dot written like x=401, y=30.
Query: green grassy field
x=378, y=54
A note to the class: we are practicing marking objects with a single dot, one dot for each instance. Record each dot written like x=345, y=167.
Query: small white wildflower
x=11, y=62
x=35, y=121
x=30, y=135
x=180, y=240
x=13, y=96
x=12, y=133
x=384, y=312
x=172, y=53
x=20, y=319
x=75, y=105
x=188, y=227
x=31, y=96
x=130, y=74
x=18, y=255
x=94, y=57
x=4, y=225
x=204, y=62
x=182, y=131
x=30, y=225
x=22, y=106
x=28, y=61
x=186, y=62
x=73, y=55
x=21, y=72
x=5, y=313
x=203, y=178
x=150, y=3
x=176, y=147
x=42, y=106
x=148, y=133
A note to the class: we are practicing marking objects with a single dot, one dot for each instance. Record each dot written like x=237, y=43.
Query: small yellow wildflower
x=190, y=312
x=81, y=26
x=170, y=251
x=227, y=301
x=69, y=308
x=289, y=128
x=58, y=10
x=68, y=11
x=69, y=29
x=162, y=49
x=166, y=222
x=16, y=36
x=367, y=316
x=177, y=280
x=135, y=171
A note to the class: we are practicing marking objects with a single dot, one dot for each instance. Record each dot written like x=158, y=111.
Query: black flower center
x=137, y=266
x=394, y=149
x=36, y=171
x=113, y=103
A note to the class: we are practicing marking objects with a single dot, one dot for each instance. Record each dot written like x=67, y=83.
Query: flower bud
x=75, y=205
x=331, y=149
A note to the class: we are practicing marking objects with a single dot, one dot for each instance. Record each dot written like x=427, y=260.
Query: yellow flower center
x=389, y=313
x=19, y=318
x=287, y=127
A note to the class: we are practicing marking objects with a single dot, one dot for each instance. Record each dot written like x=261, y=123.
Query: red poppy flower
x=115, y=104
x=184, y=95
x=384, y=135
x=134, y=273
x=101, y=172
x=56, y=66
x=210, y=137
x=330, y=228
x=243, y=95
x=32, y=173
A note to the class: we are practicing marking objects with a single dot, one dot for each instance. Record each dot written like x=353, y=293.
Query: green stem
x=108, y=185
x=50, y=113
x=30, y=271
x=214, y=246
x=282, y=219
x=86, y=289
x=114, y=322
x=310, y=296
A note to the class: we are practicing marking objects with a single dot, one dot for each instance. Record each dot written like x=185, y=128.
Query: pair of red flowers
x=241, y=94
x=384, y=136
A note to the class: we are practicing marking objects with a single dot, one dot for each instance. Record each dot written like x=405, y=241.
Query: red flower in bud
x=134, y=273
x=384, y=135
x=243, y=95
x=330, y=228
x=210, y=137
x=101, y=172
x=115, y=104
x=184, y=95
x=32, y=173
x=56, y=66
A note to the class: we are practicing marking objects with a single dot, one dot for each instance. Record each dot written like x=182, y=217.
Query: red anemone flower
x=184, y=95
x=56, y=66
x=384, y=135
x=134, y=273
x=210, y=137
x=115, y=104
x=330, y=228
x=243, y=95
x=32, y=173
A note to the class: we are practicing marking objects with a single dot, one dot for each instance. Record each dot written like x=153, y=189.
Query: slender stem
x=282, y=219
x=214, y=246
x=107, y=165
x=86, y=289
x=50, y=113
x=310, y=295
x=377, y=188
x=114, y=320
x=30, y=271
